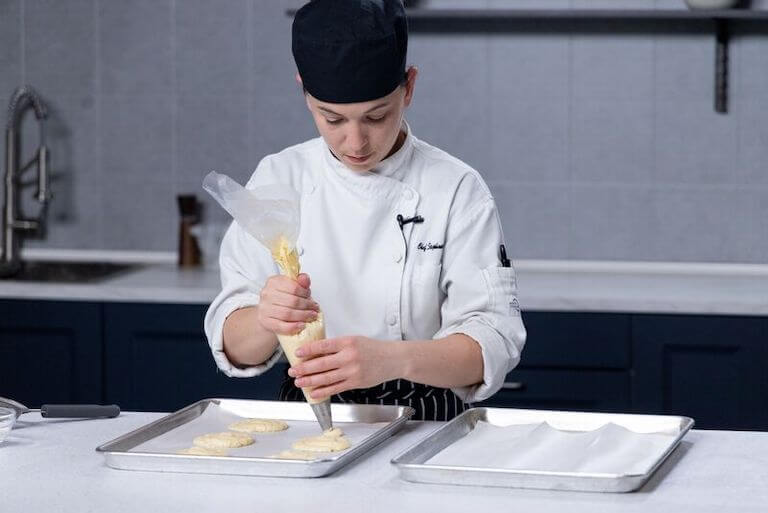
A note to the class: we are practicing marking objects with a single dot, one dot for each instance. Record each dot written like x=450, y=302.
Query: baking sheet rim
x=325, y=465
x=686, y=424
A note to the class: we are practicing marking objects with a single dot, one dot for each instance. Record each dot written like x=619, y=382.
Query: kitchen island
x=51, y=465
x=644, y=337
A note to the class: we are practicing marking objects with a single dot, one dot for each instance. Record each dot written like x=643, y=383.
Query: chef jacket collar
x=391, y=169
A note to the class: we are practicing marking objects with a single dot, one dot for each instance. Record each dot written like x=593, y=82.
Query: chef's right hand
x=286, y=305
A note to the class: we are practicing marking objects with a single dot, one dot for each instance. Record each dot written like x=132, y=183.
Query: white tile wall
x=597, y=144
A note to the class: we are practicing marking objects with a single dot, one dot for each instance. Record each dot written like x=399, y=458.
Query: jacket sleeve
x=481, y=297
x=245, y=264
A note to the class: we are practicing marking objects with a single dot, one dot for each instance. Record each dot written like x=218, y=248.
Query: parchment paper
x=215, y=420
x=610, y=449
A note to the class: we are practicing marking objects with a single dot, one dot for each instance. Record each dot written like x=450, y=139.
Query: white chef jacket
x=370, y=278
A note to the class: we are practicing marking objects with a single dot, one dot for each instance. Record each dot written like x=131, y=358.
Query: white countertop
x=151, y=283
x=51, y=465
x=642, y=287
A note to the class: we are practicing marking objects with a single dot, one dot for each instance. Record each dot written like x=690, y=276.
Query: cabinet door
x=157, y=359
x=571, y=361
x=571, y=340
x=711, y=368
x=564, y=390
x=50, y=352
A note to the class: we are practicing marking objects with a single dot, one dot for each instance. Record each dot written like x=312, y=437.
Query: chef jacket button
x=312, y=188
x=392, y=320
x=300, y=250
x=397, y=256
x=408, y=194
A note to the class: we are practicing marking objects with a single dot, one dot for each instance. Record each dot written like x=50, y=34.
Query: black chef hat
x=350, y=51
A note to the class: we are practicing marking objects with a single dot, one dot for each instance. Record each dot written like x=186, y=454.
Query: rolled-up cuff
x=498, y=359
x=216, y=340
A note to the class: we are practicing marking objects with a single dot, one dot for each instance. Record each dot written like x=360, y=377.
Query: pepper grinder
x=189, y=249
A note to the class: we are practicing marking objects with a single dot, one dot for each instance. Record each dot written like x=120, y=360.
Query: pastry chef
x=401, y=245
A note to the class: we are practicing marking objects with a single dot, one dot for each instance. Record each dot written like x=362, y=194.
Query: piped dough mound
x=296, y=455
x=332, y=440
x=333, y=433
x=258, y=426
x=203, y=451
x=225, y=440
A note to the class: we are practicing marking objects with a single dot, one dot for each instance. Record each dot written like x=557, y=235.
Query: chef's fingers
x=281, y=327
x=316, y=365
x=291, y=301
x=319, y=347
x=322, y=379
x=283, y=313
x=285, y=284
x=303, y=280
x=328, y=391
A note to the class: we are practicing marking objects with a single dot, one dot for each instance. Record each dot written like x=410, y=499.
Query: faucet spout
x=23, y=98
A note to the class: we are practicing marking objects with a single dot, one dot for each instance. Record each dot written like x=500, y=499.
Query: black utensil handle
x=72, y=411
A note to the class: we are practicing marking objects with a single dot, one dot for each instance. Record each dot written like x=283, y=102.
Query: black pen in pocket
x=504, y=260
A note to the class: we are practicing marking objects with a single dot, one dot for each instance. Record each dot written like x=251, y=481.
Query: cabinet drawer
x=565, y=390
x=577, y=340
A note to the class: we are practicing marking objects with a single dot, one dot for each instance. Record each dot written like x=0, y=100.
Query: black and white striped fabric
x=430, y=403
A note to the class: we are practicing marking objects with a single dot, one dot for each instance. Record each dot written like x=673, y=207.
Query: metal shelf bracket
x=721, y=66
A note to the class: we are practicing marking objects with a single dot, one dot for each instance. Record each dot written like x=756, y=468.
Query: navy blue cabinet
x=558, y=389
x=711, y=368
x=577, y=340
x=50, y=352
x=157, y=359
x=154, y=357
x=571, y=361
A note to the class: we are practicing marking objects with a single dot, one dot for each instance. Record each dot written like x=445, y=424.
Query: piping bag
x=271, y=214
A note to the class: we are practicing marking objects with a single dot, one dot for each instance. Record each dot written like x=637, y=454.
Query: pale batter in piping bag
x=287, y=259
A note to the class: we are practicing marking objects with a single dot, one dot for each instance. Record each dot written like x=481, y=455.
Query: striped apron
x=430, y=403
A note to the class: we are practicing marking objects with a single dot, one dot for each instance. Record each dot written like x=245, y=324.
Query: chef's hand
x=334, y=365
x=286, y=305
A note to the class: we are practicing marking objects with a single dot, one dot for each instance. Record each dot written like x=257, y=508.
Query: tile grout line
x=172, y=12
x=251, y=62
x=629, y=186
x=569, y=143
x=175, y=188
x=652, y=218
x=735, y=48
x=736, y=109
x=23, y=37
x=488, y=100
x=98, y=102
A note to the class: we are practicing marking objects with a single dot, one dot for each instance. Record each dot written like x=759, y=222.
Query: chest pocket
x=426, y=296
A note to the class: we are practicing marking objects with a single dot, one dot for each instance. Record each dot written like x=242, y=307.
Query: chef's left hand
x=334, y=365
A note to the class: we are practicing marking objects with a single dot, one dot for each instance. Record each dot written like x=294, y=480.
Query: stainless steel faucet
x=23, y=98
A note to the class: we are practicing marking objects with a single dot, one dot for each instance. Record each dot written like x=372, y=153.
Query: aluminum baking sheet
x=446, y=455
x=153, y=447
